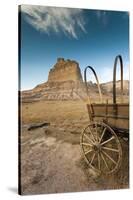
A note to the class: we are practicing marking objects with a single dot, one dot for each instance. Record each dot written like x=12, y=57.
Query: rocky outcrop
x=65, y=70
x=65, y=83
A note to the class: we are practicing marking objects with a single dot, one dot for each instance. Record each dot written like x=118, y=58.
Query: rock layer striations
x=65, y=83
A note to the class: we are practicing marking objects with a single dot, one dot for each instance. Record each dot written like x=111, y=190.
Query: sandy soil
x=51, y=159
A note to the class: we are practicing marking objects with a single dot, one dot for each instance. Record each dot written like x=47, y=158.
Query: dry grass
x=51, y=158
x=53, y=111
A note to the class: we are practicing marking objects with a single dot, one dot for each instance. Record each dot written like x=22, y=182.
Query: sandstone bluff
x=65, y=70
x=65, y=83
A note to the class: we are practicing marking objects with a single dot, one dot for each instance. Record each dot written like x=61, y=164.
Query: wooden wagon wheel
x=101, y=147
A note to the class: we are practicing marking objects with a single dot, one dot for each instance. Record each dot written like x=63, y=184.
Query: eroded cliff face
x=64, y=83
x=65, y=70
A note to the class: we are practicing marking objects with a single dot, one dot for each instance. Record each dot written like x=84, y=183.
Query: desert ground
x=51, y=157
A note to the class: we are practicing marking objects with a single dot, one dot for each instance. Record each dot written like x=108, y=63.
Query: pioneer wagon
x=100, y=141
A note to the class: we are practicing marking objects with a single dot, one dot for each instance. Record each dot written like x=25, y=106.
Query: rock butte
x=65, y=70
x=65, y=83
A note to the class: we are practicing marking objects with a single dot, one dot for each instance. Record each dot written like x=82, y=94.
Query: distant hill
x=108, y=87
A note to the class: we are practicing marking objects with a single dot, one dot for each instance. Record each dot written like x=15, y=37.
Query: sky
x=91, y=37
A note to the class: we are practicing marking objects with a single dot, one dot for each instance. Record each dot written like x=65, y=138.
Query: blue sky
x=91, y=37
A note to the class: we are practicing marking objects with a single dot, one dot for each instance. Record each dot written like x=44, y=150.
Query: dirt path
x=52, y=163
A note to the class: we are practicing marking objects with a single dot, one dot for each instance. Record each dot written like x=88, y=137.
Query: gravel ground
x=51, y=162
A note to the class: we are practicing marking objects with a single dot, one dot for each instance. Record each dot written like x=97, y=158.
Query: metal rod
x=98, y=85
x=90, y=109
x=119, y=57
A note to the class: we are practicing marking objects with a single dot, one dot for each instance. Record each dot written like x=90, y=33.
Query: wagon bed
x=112, y=114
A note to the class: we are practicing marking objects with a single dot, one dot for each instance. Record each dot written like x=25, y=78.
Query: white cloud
x=51, y=19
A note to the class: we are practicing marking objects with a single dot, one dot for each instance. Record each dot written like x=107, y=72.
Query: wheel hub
x=97, y=147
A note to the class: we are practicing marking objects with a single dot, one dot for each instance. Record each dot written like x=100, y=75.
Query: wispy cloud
x=102, y=16
x=69, y=21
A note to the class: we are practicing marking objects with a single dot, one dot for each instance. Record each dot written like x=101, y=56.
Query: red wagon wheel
x=101, y=147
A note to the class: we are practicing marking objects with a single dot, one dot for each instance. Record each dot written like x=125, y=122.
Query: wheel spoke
x=102, y=134
x=97, y=138
x=108, y=140
x=102, y=156
x=88, y=151
x=111, y=149
x=92, y=158
x=93, y=138
x=99, y=164
x=89, y=139
x=108, y=156
x=86, y=144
